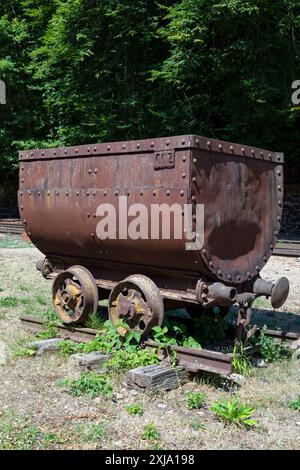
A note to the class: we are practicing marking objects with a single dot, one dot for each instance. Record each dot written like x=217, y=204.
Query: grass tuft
x=195, y=400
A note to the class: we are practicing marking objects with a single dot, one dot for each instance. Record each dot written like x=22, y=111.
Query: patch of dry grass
x=29, y=390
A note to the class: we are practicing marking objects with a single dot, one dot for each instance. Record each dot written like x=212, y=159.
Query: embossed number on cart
x=164, y=159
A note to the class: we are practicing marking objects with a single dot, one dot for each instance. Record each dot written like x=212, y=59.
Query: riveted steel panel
x=241, y=188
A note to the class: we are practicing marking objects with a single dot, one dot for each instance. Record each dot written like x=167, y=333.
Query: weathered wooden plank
x=90, y=361
x=156, y=377
x=45, y=345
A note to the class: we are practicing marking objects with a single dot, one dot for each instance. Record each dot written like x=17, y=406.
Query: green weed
x=150, y=432
x=41, y=300
x=95, y=321
x=89, y=383
x=9, y=302
x=91, y=432
x=50, y=331
x=295, y=404
x=14, y=436
x=195, y=400
x=234, y=412
x=124, y=360
x=240, y=362
x=23, y=351
x=135, y=409
x=270, y=349
x=197, y=425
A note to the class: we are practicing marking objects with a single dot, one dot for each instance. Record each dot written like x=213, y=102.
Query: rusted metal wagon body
x=240, y=187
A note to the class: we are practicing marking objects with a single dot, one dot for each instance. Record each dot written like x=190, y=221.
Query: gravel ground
x=37, y=413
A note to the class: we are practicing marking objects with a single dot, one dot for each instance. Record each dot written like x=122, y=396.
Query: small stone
x=298, y=423
x=134, y=393
x=119, y=396
x=117, y=444
x=162, y=406
x=237, y=379
x=296, y=355
x=3, y=353
x=261, y=363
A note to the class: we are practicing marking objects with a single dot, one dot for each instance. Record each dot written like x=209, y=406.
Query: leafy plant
x=23, y=351
x=123, y=360
x=191, y=342
x=89, y=383
x=295, y=403
x=150, y=432
x=234, y=412
x=240, y=362
x=270, y=349
x=50, y=331
x=195, y=400
x=134, y=409
x=69, y=347
x=161, y=337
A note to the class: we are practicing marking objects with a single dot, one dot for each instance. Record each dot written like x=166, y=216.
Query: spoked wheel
x=75, y=295
x=138, y=302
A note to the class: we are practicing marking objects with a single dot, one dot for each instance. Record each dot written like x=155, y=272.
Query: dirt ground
x=35, y=412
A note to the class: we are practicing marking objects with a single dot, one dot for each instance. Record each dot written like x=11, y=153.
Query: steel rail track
x=193, y=360
x=287, y=248
x=11, y=226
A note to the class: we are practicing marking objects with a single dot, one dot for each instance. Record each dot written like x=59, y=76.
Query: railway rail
x=287, y=248
x=193, y=360
x=11, y=226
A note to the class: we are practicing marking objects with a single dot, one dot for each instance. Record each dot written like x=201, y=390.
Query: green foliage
x=195, y=400
x=23, y=351
x=90, y=432
x=269, y=348
x=50, y=331
x=41, y=300
x=150, y=432
x=123, y=360
x=76, y=72
x=241, y=363
x=197, y=425
x=68, y=347
x=94, y=321
x=9, y=302
x=295, y=403
x=14, y=436
x=89, y=383
x=174, y=333
x=234, y=412
x=135, y=409
x=127, y=352
x=161, y=337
